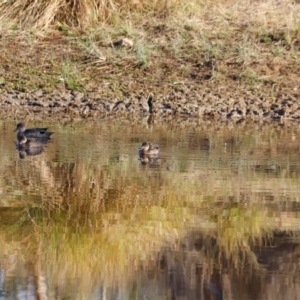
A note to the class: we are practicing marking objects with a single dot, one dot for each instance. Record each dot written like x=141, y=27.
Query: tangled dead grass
x=252, y=44
x=83, y=14
x=42, y=14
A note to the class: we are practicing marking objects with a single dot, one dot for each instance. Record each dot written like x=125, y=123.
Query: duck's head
x=20, y=127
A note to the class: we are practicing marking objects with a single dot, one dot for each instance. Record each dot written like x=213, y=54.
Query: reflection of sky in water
x=86, y=219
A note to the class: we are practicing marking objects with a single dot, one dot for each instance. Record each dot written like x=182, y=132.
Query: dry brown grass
x=42, y=14
x=251, y=45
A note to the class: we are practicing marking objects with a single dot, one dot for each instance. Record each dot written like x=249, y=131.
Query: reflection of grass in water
x=135, y=231
x=238, y=229
x=112, y=249
x=108, y=245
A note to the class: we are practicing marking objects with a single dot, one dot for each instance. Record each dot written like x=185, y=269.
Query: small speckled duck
x=36, y=133
x=150, y=149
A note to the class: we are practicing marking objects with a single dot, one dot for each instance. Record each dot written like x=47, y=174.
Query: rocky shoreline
x=183, y=101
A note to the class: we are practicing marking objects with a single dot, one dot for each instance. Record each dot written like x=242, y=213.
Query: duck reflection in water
x=148, y=153
x=30, y=152
x=30, y=146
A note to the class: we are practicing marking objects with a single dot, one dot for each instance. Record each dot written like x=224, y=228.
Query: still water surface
x=217, y=216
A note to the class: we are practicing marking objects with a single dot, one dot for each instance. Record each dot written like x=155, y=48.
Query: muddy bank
x=183, y=101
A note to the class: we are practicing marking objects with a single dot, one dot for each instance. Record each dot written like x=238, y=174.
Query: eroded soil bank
x=183, y=100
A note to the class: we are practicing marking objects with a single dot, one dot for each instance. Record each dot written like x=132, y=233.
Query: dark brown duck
x=37, y=133
x=148, y=148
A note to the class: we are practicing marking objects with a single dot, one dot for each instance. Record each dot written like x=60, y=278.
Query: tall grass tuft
x=80, y=13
